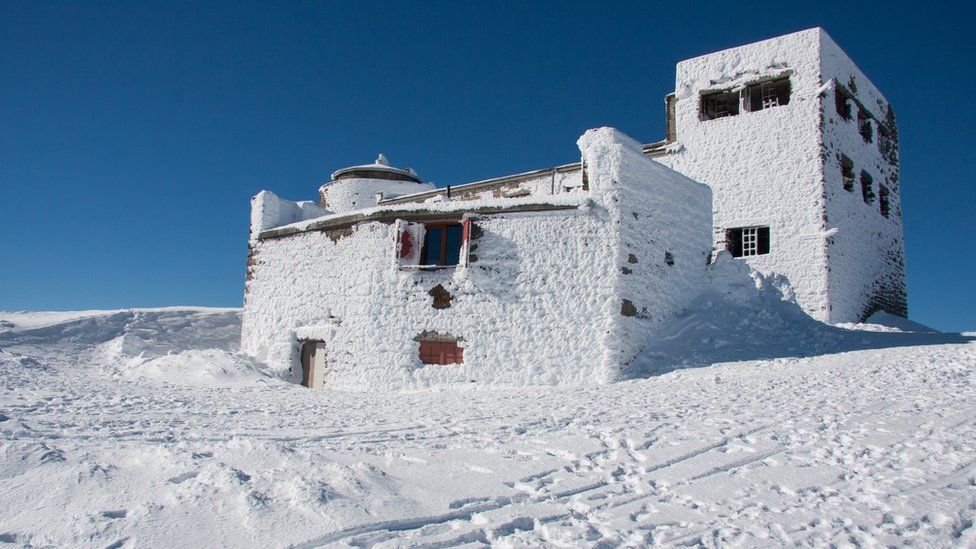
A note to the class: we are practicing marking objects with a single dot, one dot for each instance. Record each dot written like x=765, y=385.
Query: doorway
x=313, y=363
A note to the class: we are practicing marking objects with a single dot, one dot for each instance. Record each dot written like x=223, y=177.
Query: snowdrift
x=745, y=315
x=176, y=345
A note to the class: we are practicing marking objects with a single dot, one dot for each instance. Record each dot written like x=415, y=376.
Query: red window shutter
x=409, y=240
x=441, y=352
x=406, y=244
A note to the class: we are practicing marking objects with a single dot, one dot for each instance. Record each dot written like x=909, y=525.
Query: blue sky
x=133, y=134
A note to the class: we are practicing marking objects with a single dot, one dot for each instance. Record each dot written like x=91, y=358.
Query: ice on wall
x=663, y=238
x=535, y=307
x=269, y=211
x=866, y=256
x=763, y=167
x=779, y=167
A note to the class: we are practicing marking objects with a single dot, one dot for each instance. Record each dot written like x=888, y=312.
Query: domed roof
x=380, y=169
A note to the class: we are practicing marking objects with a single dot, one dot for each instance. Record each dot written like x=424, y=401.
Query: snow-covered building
x=560, y=275
x=801, y=152
x=554, y=276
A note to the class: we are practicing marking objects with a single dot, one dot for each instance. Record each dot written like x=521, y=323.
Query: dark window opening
x=442, y=244
x=864, y=126
x=747, y=241
x=766, y=95
x=842, y=102
x=719, y=105
x=883, y=200
x=867, y=187
x=847, y=172
x=886, y=144
x=441, y=352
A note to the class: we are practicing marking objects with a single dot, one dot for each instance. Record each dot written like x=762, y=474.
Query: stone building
x=781, y=152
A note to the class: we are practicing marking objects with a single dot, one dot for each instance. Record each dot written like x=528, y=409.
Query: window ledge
x=426, y=267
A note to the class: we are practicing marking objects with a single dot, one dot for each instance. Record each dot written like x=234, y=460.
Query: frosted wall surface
x=778, y=167
x=540, y=301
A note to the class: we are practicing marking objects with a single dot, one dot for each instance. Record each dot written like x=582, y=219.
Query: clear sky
x=133, y=134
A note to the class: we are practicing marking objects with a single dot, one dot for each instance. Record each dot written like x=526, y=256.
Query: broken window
x=864, y=125
x=747, y=241
x=883, y=200
x=766, y=95
x=440, y=352
x=435, y=244
x=842, y=102
x=847, y=172
x=719, y=105
x=867, y=187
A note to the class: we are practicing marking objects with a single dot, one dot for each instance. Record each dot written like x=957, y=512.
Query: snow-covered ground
x=145, y=428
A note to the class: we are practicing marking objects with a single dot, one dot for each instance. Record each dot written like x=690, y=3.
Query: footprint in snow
x=178, y=479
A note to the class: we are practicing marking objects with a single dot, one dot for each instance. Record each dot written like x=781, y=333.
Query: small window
x=842, y=102
x=847, y=173
x=886, y=144
x=867, y=187
x=883, y=200
x=442, y=244
x=747, y=241
x=441, y=352
x=431, y=245
x=719, y=105
x=766, y=95
x=864, y=126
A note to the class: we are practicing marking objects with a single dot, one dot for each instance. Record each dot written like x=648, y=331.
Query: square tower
x=801, y=152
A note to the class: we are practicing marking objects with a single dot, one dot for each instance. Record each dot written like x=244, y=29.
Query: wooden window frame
x=710, y=101
x=759, y=241
x=768, y=94
x=442, y=256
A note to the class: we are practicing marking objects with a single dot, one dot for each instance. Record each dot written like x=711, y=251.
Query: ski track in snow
x=863, y=446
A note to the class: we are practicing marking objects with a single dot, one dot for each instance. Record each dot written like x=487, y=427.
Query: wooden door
x=308, y=362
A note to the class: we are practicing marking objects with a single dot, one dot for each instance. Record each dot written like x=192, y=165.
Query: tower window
x=842, y=102
x=748, y=241
x=867, y=187
x=719, y=105
x=883, y=200
x=766, y=95
x=847, y=173
x=864, y=126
